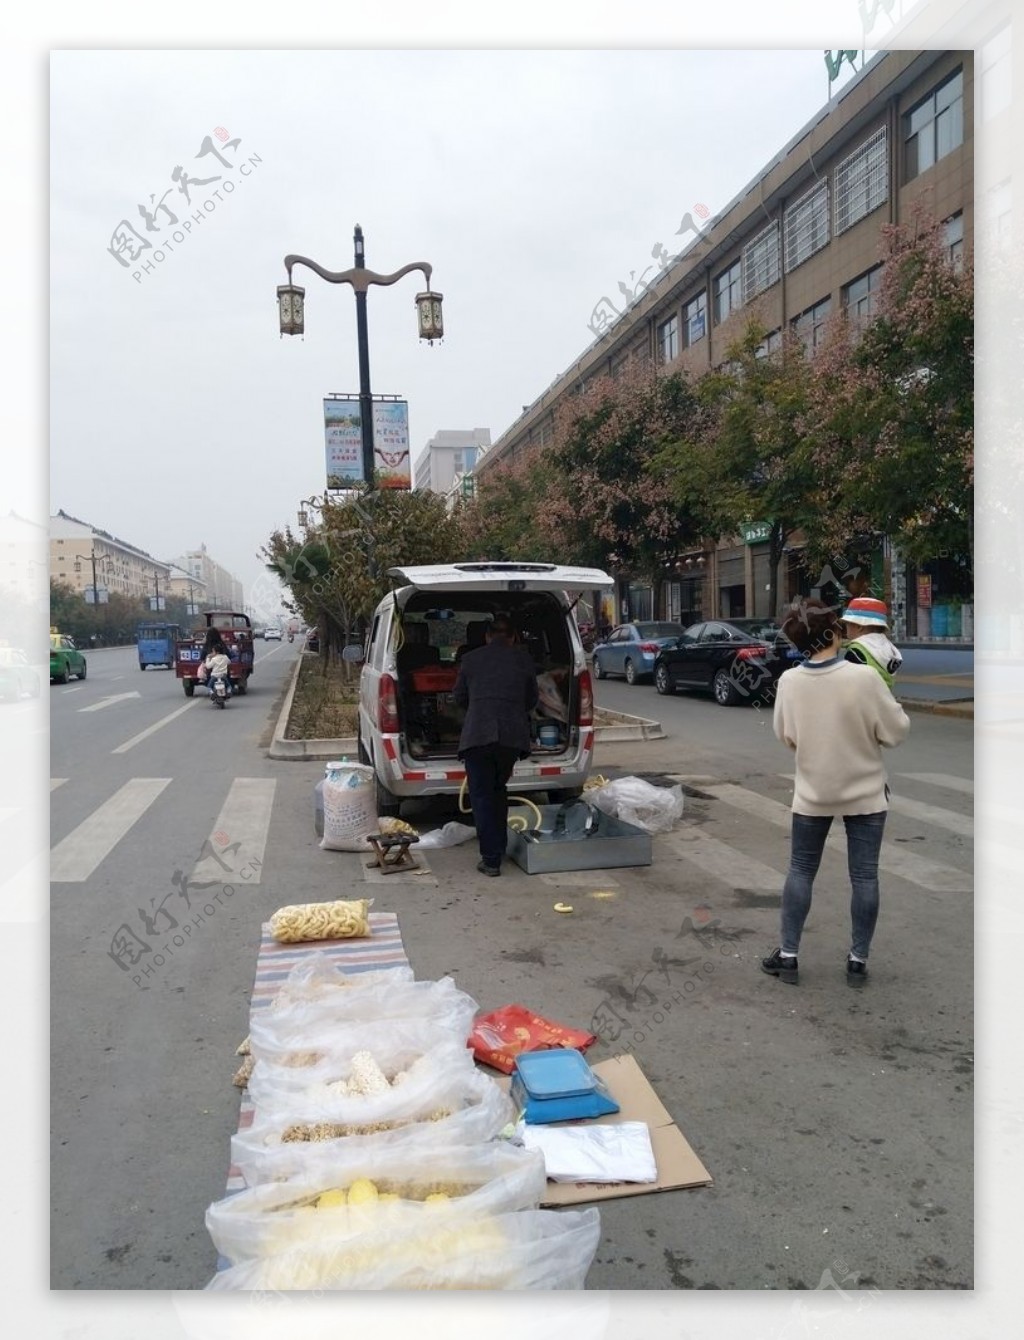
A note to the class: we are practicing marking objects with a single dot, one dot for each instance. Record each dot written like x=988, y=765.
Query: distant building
x=120, y=568
x=222, y=591
x=450, y=456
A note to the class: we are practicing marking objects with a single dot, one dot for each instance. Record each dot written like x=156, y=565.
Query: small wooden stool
x=391, y=852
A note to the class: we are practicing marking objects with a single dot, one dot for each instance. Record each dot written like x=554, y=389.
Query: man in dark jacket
x=497, y=684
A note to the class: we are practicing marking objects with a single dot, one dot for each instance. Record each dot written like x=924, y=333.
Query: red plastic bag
x=498, y=1038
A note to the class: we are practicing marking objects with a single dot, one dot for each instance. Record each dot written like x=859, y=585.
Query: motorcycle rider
x=217, y=661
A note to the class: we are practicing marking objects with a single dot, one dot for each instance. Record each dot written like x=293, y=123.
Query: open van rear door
x=502, y=577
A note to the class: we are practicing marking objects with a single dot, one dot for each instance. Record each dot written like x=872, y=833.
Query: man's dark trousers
x=488, y=768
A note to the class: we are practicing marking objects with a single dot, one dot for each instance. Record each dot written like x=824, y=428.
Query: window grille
x=806, y=226
x=862, y=181
x=761, y=262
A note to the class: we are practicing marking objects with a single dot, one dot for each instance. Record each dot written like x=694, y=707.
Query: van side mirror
x=354, y=654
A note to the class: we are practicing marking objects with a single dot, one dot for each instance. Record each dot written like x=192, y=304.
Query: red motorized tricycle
x=236, y=631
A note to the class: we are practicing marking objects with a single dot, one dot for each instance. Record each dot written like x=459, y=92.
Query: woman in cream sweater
x=838, y=717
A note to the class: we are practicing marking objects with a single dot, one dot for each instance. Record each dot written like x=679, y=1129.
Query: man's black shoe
x=780, y=965
x=856, y=973
x=486, y=869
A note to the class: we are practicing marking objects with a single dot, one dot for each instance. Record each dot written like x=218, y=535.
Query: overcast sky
x=532, y=181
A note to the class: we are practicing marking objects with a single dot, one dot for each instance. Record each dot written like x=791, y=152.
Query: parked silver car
x=632, y=648
x=409, y=725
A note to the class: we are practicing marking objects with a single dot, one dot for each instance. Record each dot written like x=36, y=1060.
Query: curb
x=963, y=709
x=299, y=750
x=625, y=728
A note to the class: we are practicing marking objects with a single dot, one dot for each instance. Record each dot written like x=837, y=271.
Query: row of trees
x=111, y=623
x=871, y=436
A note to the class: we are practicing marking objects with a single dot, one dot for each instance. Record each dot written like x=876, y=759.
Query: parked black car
x=736, y=660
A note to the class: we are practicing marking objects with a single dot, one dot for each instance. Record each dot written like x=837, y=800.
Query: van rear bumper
x=409, y=777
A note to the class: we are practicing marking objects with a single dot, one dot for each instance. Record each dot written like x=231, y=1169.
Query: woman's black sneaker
x=780, y=965
x=856, y=973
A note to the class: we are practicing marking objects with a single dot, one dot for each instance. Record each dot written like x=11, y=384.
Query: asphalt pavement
x=837, y=1125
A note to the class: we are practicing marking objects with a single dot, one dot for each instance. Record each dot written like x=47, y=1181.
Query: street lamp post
x=104, y=558
x=290, y=300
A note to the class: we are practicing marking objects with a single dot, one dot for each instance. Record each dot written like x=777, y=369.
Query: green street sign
x=755, y=532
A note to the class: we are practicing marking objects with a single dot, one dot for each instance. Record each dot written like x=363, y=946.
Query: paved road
x=837, y=1125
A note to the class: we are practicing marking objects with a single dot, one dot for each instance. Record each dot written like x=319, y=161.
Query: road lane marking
x=905, y=864
x=961, y=824
x=963, y=784
x=110, y=699
x=719, y=858
x=142, y=735
x=57, y=781
x=77, y=856
x=244, y=820
x=77, y=689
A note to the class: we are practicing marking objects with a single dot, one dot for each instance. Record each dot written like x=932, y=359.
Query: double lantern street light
x=291, y=310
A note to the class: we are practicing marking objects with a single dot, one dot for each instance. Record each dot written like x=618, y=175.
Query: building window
x=806, y=226
x=954, y=230
x=809, y=326
x=771, y=344
x=728, y=292
x=860, y=298
x=761, y=262
x=862, y=181
x=934, y=127
x=695, y=320
x=668, y=340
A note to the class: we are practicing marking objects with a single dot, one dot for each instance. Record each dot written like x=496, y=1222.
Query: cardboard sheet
x=678, y=1165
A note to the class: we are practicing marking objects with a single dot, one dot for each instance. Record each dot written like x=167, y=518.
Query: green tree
x=338, y=574
x=743, y=459
x=890, y=421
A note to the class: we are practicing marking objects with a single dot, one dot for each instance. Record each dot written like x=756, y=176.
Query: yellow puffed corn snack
x=321, y=921
x=436, y=1198
x=363, y=1192
x=329, y=1200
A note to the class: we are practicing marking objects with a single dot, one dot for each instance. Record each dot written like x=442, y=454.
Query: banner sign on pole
x=391, y=454
x=343, y=435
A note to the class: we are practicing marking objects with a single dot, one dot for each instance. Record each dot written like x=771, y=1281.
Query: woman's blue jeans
x=863, y=843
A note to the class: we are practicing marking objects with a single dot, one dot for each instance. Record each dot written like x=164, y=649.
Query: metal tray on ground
x=566, y=845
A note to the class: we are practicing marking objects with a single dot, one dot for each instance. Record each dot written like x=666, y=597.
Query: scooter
x=291, y=637
x=219, y=691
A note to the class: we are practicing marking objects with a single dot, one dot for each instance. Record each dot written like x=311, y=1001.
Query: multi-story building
x=449, y=459
x=222, y=591
x=78, y=550
x=800, y=242
x=184, y=586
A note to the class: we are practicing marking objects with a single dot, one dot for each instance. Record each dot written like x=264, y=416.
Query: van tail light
x=649, y=648
x=584, y=700
x=751, y=653
x=387, y=706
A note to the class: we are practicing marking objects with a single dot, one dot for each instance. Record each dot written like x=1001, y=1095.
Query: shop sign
x=755, y=532
x=924, y=592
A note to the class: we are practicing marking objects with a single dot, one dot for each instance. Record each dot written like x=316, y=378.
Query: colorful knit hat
x=866, y=610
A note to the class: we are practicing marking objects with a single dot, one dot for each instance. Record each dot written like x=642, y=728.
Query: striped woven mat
x=383, y=949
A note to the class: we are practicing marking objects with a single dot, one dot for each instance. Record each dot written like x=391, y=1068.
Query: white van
x=409, y=725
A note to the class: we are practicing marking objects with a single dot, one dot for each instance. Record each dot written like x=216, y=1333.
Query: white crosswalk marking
x=907, y=865
x=719, y=858
x=57, y=781
x=77, y=856
x=243, y=820
x=961, y=824
x=965, y=785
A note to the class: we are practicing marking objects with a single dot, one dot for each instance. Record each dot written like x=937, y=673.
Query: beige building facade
x=799, y=245
x=120, y=567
